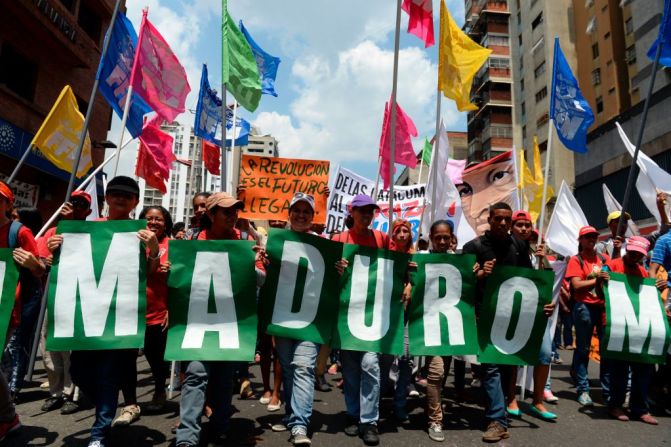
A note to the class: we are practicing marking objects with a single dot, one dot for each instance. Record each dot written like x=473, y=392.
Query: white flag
x=650, y=179
x=613, y=205
x=447, y=204
x=565, y=223
x=93, y=192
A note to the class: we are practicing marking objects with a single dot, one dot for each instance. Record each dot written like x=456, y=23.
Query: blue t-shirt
x=662, y=253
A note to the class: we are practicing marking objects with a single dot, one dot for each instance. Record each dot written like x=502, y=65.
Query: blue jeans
x=198, y=374
x=361, y=371
x=586, y=318
x=100, y=375
x=496, y=402
x=641, y=376
x=298, y=377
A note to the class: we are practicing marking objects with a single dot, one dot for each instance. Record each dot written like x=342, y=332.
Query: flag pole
x=129, y=93
x=434, y=153
x=621, y=226
x=392, y=142
x=19, y=164
x=421, y=167
x=222, y=173
x=233, y=137
x=377, y=179
x=546, y=179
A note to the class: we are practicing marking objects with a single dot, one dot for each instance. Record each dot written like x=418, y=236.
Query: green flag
x=426, y=152
x=97, y=287
x=637, y=329
x=442, y=315
x=370, y=317
x=300, y=296
x=239, y=72
x=211, y=301
x=9, y=278
x=512, y=324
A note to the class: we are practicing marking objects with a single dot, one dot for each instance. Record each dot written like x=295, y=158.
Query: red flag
x=155, y=156
x=403, y=153
x=211, y=157
x=157, y=75
x=421, y=19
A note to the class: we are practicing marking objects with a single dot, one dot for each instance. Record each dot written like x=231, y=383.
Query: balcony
x=497, y=133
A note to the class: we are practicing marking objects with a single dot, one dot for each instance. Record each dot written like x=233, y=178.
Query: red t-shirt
x=203, y=236
x=618, y=266
x=42, y=242
x=591, y=266
x=374, y=239
x=157, y=288
x=25, y=240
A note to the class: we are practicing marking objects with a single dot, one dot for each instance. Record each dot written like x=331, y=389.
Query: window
x=90, y=22
x=538, y=46
x=539, y=70
x=599, y=104
x=606, y=36
x=519, y=18
x=537, y=21
x=540, y=94
x=595, y=51
x=609, y=63
x=68, y=4
x=17, y=72
x=522, y=85
x=523, y=109
x=489, y=40
x=591, y=26
x=629, y=26
x=521, y=62
x=519, y=40
x=542, y=120
x=588, y=4
x=596, y=76
x=611, y=91
x=524, y=132
x=499, y=62
x=630, y=55
x=604, y=7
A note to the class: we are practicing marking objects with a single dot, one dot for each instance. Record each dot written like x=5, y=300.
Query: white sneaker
x=129, y=414
x=96, y=444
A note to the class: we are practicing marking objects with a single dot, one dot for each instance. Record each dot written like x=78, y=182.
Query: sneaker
x=619, y=414
x=274, y=407
x=96, y=443
x=436, y=432
x=299, y=436
x=7, y=428
x=185, y=444
x=279, y=427
x=648, y=419
x=69, y=407
x=333, y=369
x=549, y=397
x=44, y=385
x=495, y=432
x=321, y=385
x=351, y=427
x=476, y=383
x=585, y=400
x=412, y=391
x=129, y=414
x=52, y=403
x=557, y=360
x=369, y=434
x=157, y=402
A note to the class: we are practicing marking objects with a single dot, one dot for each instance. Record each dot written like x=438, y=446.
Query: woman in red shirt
x=159, y=222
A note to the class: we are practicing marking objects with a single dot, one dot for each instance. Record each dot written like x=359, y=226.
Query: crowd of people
x=299, y=366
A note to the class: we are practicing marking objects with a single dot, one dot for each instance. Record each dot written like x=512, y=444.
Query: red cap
x=584, y=231
x=521, y=215
x=7, y=193
x=82, y=194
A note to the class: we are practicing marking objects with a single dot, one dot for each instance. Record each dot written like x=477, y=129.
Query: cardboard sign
x=271, y=182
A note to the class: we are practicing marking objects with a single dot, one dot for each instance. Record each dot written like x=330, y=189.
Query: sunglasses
x=80, y=204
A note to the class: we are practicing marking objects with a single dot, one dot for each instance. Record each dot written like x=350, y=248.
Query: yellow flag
x=532, y=185
x=459, y=59
x=58, y=136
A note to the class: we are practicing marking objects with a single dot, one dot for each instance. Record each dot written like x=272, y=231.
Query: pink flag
x=155, y=156
x=421, y=19
x=157, y=75
x=403, y=153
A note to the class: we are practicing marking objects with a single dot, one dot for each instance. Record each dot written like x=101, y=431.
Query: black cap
x=123, y=184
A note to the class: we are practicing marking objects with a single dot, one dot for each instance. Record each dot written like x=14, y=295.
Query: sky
x=334, y=78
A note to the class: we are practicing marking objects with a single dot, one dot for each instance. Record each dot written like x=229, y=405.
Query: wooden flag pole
x=392, y=139
x=621, y=226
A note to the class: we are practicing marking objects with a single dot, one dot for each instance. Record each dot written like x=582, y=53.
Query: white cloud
x=337, y=113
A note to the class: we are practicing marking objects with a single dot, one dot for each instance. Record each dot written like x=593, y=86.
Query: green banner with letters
x=370, y=317
x=441, y=311
x=211, y=301
x=300, y=296
x=512, y=323
x=97, y=287
x=9, y=278
x=637, y=329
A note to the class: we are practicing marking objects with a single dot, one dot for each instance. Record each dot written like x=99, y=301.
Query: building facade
x=490, y=127
x=44, y=46
x=534, y=24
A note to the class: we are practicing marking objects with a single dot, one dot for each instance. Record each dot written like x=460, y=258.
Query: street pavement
x=251, y=422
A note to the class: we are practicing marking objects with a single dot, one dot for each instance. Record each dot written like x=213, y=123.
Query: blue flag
x=242, y=131
x=208, y=112
x=114, y=75
x=267, y=64
x=663, y=38
x=569, y=110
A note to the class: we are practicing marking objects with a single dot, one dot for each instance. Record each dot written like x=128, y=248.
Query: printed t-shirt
x=591, y=266
x=157, y=288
